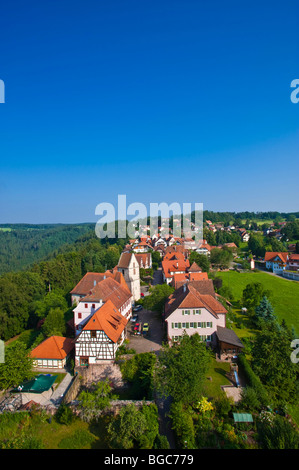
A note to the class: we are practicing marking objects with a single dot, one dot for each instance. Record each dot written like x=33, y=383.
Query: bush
x=64, y=414
x=279, y=435
x=78, y=440
x=161, y=442
x=223, y=406
x=250, y=399
x=254, y=381
x=182, y=424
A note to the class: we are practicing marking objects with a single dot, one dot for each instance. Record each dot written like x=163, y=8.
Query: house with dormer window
x=193, y=308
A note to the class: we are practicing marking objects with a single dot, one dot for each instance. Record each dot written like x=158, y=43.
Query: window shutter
x=195, y=325
x=180, y=325
x=187, y=325
x=172, y=326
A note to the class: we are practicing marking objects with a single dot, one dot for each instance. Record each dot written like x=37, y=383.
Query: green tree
x=91, y=403
x=181, y=369
x=252, y=295
x=50, y=301
x=157, y=298
x=256, y=245
x=264, y=311
x=139, y=371
x=221, y=257
x=17, y=366
x=134, y=428
x=271, y=362
x=182, y=424
x=54, y=323
x=201, y=260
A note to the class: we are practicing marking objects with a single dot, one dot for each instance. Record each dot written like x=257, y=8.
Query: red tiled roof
x=180, y=278
x=174, y=266
x=194, y=268
x=90, y=280
x=55, y=347
x=87, y=283
x=109, y=289
x=144, y=257
x=108, y=319
x=194, y=295
x=270, y=255
x=125, y=259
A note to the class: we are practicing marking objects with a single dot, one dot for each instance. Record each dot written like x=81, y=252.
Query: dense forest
x=25, y=296
x=23, y=245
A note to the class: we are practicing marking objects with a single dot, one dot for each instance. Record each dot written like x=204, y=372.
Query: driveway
x=153, y=341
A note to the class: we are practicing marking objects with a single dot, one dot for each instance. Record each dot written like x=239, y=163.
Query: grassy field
x=284, y=293
x=217, y=371
x=52, y=435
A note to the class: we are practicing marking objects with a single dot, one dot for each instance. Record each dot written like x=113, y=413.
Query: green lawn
x=284, y=293
x=217, y=371
x=77, y=435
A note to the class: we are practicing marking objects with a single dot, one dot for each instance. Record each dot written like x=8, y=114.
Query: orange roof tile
x=109, y=289
x=55, y=347
x=196, y=294
x=108, y=319
x=270, y=255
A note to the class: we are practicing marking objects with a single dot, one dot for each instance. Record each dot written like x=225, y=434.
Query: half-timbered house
x=101, y=336
x=107, y=289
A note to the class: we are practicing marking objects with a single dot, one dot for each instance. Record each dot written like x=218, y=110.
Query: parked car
x=137, y=308
x=145, y=328
x=134, y=318
x=137, y=329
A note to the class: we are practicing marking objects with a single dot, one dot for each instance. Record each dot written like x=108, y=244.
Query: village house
x=142, y=247
x=90, y=280
x=144, y=260
x=180, y=279
x=52, y=353
x=204, y=248
x=101, y=336
x=107, y=289
x=276, y=261
x=293, y=264
x=193, y=308
x=173, y=263
x=244, y=235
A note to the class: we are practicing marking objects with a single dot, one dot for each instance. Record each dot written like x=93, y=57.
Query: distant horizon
x=174, y=215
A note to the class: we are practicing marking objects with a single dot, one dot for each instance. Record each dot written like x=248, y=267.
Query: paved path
x=158, y=277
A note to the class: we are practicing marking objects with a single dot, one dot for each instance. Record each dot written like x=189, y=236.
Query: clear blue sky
x=164, y=101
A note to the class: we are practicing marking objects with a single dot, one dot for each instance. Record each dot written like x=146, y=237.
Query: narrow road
x=158, y=277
